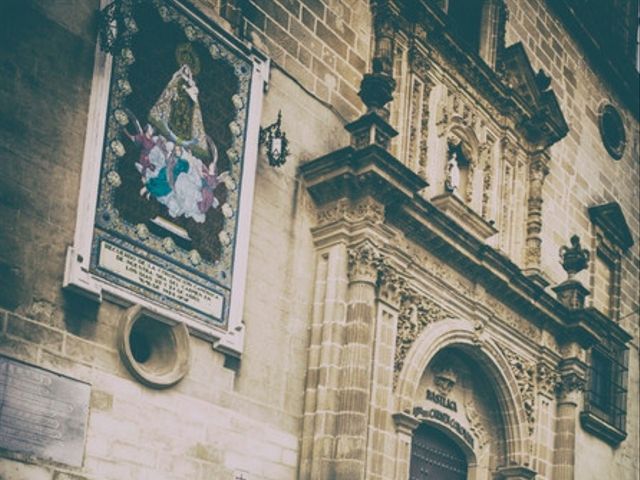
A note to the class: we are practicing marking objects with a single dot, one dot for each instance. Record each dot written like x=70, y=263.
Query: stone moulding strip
x=372, y=171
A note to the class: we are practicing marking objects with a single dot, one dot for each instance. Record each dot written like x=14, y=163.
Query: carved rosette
x=538, y=170
x=524, y=372
x=416, y=313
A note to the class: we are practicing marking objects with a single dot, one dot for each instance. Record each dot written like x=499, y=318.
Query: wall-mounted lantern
x=276, y=143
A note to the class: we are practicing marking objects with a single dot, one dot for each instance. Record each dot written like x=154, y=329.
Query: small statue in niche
x=574, y=259
x=452, y=178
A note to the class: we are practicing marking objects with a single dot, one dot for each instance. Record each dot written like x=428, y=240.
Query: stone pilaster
x=355, y=370
x=538, y=170
x=569, y=391
x=405, y=425
x=327, y=323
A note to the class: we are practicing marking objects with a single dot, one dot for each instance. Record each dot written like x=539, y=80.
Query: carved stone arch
x=457, y=131
x=462, y=334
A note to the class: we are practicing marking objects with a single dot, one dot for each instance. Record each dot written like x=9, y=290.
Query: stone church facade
x=319, y=239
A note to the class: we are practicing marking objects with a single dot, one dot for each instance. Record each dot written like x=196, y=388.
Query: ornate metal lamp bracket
x=275, y=142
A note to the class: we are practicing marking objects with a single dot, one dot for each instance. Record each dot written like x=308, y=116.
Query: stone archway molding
x=461, y=333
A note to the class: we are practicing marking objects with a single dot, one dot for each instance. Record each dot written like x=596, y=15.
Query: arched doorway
x=435, y=456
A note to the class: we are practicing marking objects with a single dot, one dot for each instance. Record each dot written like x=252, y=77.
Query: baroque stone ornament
x=538, y=170
x=364, y=261
x=416, y=313
x=445, y=377
x=524, y=372
x=475, y=422
x=574, y=259
x=344, y=209
x=569, y=383
x=546, y=379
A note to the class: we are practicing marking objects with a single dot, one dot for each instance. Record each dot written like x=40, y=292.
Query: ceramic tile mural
x=172, y=165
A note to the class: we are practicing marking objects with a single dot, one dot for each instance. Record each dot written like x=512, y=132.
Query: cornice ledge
x=602, y=429
x=354, y=173
x=452, y=205
x=589, y=326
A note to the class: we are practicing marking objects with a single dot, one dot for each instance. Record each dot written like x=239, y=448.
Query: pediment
x=545, y=123
x=611, y=220
x=519, y=75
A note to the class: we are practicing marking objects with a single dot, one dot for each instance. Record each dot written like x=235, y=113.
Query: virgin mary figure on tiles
x=177, y=161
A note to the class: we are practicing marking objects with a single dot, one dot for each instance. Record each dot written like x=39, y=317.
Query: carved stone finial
x=574, y=259
x=376, y=90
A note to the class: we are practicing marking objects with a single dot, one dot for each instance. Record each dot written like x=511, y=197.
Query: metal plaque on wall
x=42, y=414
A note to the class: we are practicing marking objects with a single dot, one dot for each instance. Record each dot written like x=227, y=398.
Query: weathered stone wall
x=582, y=174
x=322, y=44
x=216, y=421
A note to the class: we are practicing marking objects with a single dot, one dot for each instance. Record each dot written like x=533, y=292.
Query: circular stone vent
x=612, y=131
x=155, y=353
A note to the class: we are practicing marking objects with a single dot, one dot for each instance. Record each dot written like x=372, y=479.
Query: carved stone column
x=538, y=170
x=355, y=371
x=569, y=393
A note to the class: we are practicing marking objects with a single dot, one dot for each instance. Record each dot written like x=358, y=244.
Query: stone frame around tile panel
x=229, y=337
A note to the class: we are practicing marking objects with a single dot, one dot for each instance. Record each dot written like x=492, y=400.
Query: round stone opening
x=155, y=352
x=612, y=131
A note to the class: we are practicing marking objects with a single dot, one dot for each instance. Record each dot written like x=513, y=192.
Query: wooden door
x=434, y=456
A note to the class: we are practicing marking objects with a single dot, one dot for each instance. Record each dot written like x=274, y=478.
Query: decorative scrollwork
x=416, y=313
x=524, y=372
x=345, y=209
x=546, y=379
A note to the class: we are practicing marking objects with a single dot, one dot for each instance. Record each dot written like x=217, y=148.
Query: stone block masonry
x=323, y=45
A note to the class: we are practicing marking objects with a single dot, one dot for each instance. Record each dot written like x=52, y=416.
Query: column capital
x=365, y=262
